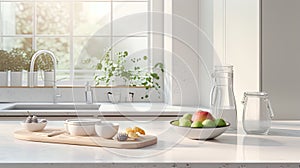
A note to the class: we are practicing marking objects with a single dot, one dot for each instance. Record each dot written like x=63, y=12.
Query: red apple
x=201, y=116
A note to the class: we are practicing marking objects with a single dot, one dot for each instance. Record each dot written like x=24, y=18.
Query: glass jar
x=257, y=113
x=222, y=100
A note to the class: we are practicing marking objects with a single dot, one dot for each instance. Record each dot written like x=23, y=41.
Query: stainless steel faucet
x=54, y=60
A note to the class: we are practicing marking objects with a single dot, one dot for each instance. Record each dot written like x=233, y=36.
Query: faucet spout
x=54, y=60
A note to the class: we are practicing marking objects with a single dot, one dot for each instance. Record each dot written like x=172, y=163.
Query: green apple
x=181, y=119
x=220, y=122
x=208, y=123
x=183, y=122
x=187, y=116
x=175, y=123
x=197, y=124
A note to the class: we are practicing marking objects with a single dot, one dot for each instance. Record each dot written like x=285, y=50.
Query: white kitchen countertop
x=282, y=146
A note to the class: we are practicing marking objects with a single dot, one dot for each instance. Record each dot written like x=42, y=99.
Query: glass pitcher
x=222, y=100
x=257, y=113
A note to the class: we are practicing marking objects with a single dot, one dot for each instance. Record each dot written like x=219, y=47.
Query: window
x=77, y=31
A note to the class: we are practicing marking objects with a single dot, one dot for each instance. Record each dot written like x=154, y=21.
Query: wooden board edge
x=42, y=139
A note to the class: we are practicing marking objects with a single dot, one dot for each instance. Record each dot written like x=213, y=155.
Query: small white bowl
x=81, y=127
x=34, y=127
x=78, y=130
x=200, y=133
x=107, y=130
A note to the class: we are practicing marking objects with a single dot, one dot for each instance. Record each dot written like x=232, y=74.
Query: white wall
x=242, y=46
x=207, y=50
x=191, y=60
x=183, y=66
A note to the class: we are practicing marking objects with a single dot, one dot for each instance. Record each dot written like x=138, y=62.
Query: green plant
x=150, y=80
x=17, y=59
x=4, y=60
x=45, y=63
x=28, y=55
x=112, y=68
x=136, y=76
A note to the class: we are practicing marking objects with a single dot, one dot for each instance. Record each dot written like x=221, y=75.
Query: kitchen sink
x=51, y=106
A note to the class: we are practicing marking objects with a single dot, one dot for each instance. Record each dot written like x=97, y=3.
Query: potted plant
x=17, y=62
x=4, y=66
x=31, y=75
x=114, y=69
x=149, y=80
x=46, y=65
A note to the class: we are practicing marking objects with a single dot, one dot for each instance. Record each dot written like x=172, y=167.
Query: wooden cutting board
x=65, y=138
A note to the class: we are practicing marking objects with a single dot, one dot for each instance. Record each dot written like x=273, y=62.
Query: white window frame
x=154, y=41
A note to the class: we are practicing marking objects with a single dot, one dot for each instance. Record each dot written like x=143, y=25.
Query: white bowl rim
x=23, y=122
x=107, y=124
x=83, y=121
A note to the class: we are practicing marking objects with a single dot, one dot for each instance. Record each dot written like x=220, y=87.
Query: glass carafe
x=257, y=113
x=222, y=100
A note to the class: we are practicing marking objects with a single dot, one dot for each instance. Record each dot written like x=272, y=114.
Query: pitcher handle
x=211, y=94
x=270, y=109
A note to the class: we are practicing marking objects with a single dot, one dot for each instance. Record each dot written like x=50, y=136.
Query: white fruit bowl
x=200, y=133
x=34, y=127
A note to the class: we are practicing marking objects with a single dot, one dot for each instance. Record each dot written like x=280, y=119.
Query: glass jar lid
x=256, y=94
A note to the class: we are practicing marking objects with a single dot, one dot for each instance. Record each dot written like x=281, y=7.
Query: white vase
x=16, y=78
x=4, y=78
x=32, y=78
x=48, y=78
x=117, y=81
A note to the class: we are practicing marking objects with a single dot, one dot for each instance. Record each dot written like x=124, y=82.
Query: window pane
x=82, y=76
x=130, y=18
x=53, y=18
x=88, y=51
x=92, y=18
x=60, y=47
x=137, y=47
x=16, y=18
x=7, y=43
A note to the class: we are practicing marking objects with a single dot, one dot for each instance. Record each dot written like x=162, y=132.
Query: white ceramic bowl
x=81, y=127
x=200, y=133
x=34, y=127
x=107, y=130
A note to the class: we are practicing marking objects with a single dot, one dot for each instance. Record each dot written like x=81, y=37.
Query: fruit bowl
x=200, y=133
